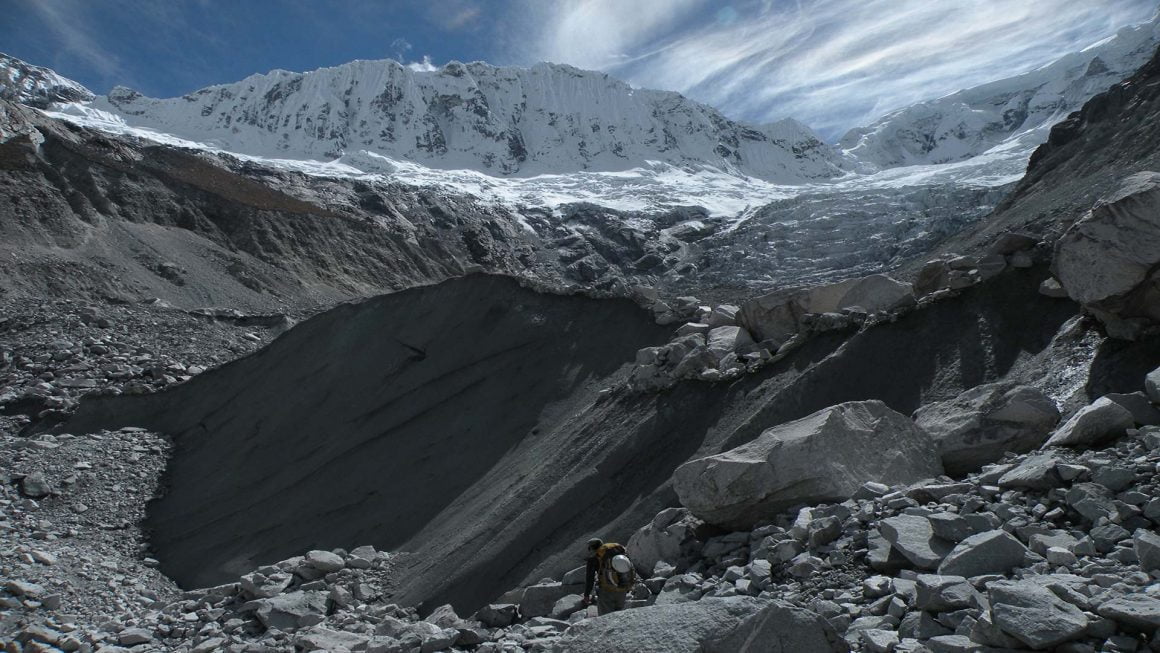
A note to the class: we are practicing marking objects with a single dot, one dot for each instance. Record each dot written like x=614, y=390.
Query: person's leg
x=619, y=599
x=606, y=602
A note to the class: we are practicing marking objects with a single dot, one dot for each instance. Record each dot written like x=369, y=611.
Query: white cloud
x=599, y=33
x=423, y=66
x=833, y=64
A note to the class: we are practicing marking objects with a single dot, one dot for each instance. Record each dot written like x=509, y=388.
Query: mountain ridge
x=548, y=118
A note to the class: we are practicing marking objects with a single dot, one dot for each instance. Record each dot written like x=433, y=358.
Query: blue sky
x=833, y=64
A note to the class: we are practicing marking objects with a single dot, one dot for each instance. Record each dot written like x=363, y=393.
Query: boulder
x=539, y=600
x=824, y=457
x=497, y=615
x=290, y=611
x=983, y=423
x=1034, y=615
x=669, y=537
x=325, y=639
x=1107, y=259
x=1147, y=546
x=1139, y=612
x=725, y=340
x=1035, y=472
x=723, y=315
x=713, y=625
x=989, y=552
x=1152, y=385
x=1101, y=421
x=778, y=316
x=324, y=561
x=934, y=593
x=914, y=538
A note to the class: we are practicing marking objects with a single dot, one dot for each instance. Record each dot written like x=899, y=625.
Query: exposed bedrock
x=465, y=423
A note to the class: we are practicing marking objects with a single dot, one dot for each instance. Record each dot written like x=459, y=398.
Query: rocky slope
x=1016, y=111
x=605, y=441
x=545, y=119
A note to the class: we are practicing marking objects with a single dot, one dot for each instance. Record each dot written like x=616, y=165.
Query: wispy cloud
x=833, y=64
x=60, y=17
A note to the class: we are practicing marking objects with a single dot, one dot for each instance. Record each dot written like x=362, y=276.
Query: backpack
x=611, y=579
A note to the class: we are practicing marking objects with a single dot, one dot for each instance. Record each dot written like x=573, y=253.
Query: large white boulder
x=980, y=425
x=1107, y=259
x=729, y=625
x=823, y=457
x=778, y=315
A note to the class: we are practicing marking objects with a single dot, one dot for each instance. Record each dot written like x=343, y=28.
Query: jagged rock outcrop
x=826, y=456
x=1108, y=260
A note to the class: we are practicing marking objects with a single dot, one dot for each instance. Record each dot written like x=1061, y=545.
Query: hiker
x=609, y=564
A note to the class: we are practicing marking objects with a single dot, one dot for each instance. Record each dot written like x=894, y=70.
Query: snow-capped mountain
x=35, y=86
x=1023, y=108
x=502, y=121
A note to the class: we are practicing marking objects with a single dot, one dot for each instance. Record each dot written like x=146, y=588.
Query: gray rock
x=936, y=593
x=877, y=640
x=725, y=340
x=1052, y=288
x=1034, y=615
x=714, y=625
x=1137, y=403
x=1147, y=545
x=883, y=557
x=990, y=552
x=325, y=639
x=564, y=608
x=723, y=315
x=1152, y=385
x=539, y=600
x=1137, y=611
x=497, y=615
x=669, y=537
x=779, y=315
x=950, y=527
x=260, y=586
x=823, y=457
x=1091, y=500
x=1107, y=536
x=1101, y=421
x=35, y=486
x=1114, y=477
x=913, y=537
x=134, y=636
x=1106, y=258
x=291, y=611
x=983, y=423
x=324, y=561
x=1035, y=472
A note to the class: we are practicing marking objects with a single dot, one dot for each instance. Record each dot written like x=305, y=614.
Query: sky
x=833, y=64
